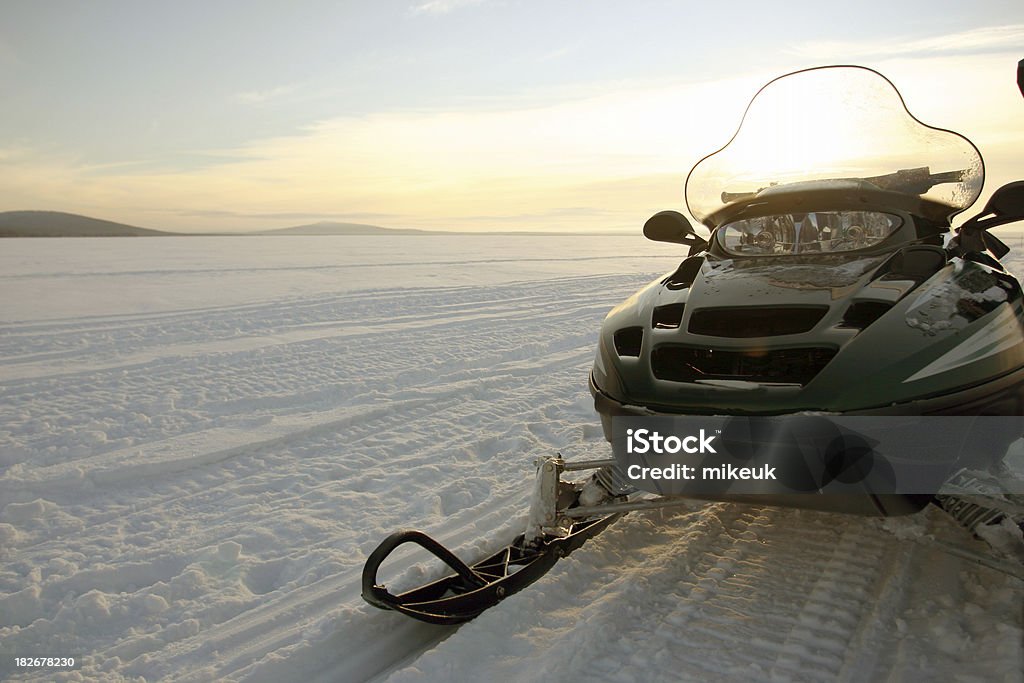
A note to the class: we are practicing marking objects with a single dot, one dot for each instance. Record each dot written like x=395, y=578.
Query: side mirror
x=1006, y=205
x=672, y=226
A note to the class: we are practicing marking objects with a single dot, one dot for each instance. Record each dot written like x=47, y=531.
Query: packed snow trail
x=190, y=482
x=727, y=592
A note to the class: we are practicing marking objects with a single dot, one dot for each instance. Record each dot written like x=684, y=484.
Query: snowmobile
x=826, y=287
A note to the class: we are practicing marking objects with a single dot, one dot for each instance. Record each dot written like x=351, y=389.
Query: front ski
x=473, y=588
x=557, y=523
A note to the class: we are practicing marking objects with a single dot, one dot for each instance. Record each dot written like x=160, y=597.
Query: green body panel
x=960, y=327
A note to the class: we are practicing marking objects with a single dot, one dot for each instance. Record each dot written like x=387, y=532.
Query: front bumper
x=1000, y=396
x=1003, y=396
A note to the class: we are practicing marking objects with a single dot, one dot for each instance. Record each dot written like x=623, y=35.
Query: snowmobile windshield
x=840, y=126
x=815, y=232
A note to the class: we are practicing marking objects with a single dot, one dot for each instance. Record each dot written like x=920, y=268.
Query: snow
x=201, y=439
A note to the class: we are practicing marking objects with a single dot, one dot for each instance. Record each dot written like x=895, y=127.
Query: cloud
x=259, y=97
x=15, y=153
x=979, y=40
x=592, y=162
x=587, y=212
x=622, y=152
x=442, y=6
x=557, y=53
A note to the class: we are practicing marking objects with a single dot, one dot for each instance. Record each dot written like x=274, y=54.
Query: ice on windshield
x=835, y=123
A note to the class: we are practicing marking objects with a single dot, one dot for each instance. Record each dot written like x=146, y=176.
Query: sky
x=478, y=115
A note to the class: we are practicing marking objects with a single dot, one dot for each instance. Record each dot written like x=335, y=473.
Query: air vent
x=667, y=317
x=628, y=341
x=762, y=321
x=860, y=314
x=685, y=274
x=790, y=366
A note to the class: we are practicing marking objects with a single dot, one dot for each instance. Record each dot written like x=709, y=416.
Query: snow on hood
x=825, y=272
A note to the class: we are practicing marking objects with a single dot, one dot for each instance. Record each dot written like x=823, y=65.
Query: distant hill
x=335, y=228
x=59, y=224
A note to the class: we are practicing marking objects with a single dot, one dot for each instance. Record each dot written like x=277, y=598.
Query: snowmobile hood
x=797, y=281
x=825, y=333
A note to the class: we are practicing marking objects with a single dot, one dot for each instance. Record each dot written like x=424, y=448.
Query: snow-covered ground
x=201, y=439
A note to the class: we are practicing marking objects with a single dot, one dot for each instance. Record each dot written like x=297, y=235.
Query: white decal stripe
x=1002, y=333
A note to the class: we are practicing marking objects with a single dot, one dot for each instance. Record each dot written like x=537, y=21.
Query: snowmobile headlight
x=765, y=241
x=805, y=233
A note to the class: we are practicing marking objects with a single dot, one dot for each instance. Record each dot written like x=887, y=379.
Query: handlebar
x=906, y=181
